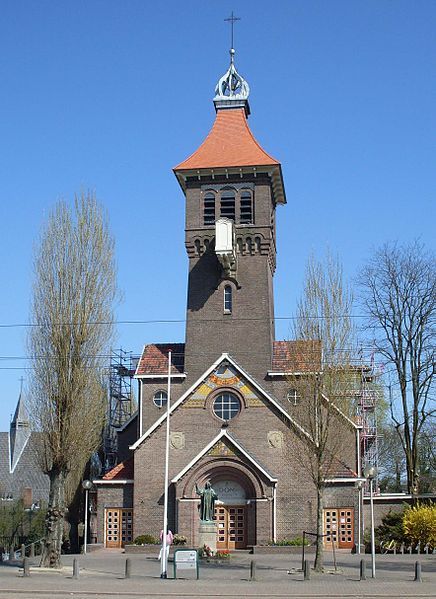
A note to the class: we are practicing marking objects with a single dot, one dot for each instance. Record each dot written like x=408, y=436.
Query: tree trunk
x=319, y=556
x=54, y=522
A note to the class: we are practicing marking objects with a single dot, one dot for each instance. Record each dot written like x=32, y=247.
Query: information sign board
x=185, y=559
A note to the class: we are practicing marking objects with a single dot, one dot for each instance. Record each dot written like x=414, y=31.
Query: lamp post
x=86, y=484
x=359, y=485
x=370, y=473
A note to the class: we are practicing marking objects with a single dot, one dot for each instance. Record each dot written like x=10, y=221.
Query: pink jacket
x=170, y=537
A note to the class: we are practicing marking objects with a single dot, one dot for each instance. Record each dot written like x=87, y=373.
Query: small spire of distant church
x=232, y=90
x=20, y=431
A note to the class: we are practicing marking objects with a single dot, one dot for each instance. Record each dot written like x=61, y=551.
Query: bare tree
x=399, y=295
x=391, y=461
x=73, y=292
x=323, y=321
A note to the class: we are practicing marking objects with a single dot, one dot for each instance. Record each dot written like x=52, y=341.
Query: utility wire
x=173, y=321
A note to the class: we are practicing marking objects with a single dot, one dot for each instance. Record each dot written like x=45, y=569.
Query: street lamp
x=370, y=473
x=86, y=484
x=359, y=486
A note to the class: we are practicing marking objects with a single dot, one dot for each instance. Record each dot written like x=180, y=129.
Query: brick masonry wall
x=210, y=332
x=111, y=496
x=296, y=498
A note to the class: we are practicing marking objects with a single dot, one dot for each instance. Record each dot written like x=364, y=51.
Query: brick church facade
x=234, y=419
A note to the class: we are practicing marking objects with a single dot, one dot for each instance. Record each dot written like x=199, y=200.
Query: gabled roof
x=223, y=434
x=337, y=469
x=27, y=471
x=288, y=357
x=121, y=473
x=230, y=143
x=297, y=356
x=154, y=360
x=188, y=392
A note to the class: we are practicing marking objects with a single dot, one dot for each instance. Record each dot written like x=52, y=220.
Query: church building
x=235, y=419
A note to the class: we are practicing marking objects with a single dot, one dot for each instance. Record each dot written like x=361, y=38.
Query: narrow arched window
x=246, y=216
x=227, y=299
x=228, y=204
x=209, y=209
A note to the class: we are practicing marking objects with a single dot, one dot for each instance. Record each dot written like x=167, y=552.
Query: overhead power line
x=172, y=321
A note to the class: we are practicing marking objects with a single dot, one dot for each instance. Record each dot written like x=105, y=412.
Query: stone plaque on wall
x=275, y=439
x=177, y=440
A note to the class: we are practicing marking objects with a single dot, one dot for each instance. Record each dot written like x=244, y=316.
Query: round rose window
x=226, y=406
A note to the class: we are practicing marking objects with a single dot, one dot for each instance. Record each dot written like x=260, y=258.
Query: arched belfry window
x=246, y=215
x=228, y=204
x=227, y=299
x=209, y=208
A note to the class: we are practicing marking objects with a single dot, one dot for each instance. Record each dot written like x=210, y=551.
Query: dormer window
x=228, y=204
x=246, y=215
x=209, y=208
x=227, y=299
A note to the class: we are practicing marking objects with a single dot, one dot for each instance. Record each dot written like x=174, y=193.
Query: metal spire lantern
x=232, y=90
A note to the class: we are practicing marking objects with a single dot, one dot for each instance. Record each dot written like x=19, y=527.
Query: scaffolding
x=366, y=406
x=121, y=401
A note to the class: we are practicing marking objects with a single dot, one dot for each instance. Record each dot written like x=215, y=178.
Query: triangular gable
x=224, y=435
x=201, y=379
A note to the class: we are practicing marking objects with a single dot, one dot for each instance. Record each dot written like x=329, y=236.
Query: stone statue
x=207, y=505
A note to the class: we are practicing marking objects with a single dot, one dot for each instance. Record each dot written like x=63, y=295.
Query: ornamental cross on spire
x=232, y=20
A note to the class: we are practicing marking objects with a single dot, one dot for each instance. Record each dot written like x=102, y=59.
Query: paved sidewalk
x=102, y=575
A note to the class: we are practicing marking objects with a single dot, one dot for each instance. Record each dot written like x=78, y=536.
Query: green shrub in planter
x=146, y=540
x=296, y=542
x=179, y=540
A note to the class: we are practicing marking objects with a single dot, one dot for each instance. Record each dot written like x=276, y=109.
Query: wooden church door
x=231, y=526
x=119, y=527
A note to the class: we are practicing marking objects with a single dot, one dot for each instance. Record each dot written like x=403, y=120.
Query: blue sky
x=110, y=94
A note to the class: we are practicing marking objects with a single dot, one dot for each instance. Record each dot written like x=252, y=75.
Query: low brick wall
x=281, y=549
x=152, y=550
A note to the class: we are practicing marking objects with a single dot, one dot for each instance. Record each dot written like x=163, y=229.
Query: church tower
x=231, y=419
x=232, y=188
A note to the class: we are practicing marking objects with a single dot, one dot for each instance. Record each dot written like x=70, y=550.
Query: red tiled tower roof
x=230, y=143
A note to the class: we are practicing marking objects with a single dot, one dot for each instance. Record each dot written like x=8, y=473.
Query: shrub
x=146, y=540
x=295, y=542
x=180, y=540
x=419, y=523
x=391, y=529
x=222, y=553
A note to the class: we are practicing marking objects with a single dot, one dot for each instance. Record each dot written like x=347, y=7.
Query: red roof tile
x=123, y=471
x=296, y=356
x=336, y=468
x=154, y=359
x=230, y=143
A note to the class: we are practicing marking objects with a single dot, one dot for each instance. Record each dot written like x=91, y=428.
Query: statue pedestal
x=207, y=534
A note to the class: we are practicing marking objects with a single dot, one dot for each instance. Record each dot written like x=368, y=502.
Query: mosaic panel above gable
x=225, y=375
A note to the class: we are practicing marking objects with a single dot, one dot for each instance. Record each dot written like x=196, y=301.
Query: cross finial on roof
x=232, y=20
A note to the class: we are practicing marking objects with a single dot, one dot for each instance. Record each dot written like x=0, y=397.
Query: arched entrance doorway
x=231, y=514
x=242, y=501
